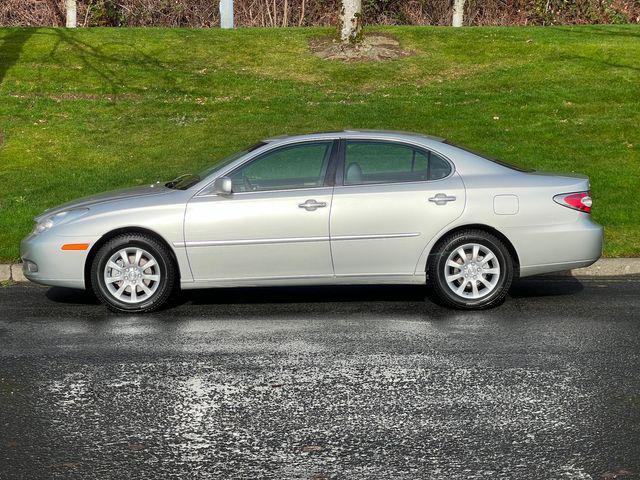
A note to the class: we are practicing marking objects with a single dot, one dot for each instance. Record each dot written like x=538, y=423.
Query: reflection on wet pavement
x=362, y=383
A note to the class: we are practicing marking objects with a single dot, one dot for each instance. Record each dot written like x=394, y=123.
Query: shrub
x=204, y=13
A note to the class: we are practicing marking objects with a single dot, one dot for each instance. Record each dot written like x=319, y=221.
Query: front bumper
x=55, y=267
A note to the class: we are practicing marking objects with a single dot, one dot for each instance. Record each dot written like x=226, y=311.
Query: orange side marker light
x=75, y=246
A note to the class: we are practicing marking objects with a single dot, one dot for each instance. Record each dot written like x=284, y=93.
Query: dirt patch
x=375, y=47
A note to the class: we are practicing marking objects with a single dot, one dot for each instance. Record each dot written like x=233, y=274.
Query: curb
x=605, y=267
x=609, y=267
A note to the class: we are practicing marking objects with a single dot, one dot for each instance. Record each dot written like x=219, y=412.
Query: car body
x=366, y=217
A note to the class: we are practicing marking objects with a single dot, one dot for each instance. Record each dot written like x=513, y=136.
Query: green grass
x=90, y=110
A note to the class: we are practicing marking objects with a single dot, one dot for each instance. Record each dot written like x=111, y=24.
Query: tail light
x=580, y=201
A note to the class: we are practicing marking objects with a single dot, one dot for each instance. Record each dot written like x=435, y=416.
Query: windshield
x=188, y=180
x=494, y=160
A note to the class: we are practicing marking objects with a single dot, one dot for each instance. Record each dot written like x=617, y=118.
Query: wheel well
x=488, y=229
x=114, y=233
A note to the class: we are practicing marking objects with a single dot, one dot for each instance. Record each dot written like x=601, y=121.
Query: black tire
x=437, y=263
x=165, y=262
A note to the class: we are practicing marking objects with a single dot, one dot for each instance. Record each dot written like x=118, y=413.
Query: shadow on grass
x=593, y=63
x=624, y=32
x=98, y=59
x=11, y=46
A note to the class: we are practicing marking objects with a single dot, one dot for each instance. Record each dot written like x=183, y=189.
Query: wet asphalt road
x=324, y=383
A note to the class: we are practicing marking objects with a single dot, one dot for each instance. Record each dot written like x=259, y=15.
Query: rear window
x=494, y=160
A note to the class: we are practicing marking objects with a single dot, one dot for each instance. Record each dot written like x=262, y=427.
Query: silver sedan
x=352, y=207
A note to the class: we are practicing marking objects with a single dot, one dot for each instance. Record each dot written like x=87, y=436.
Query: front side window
x=385, y=162
x=296, y=166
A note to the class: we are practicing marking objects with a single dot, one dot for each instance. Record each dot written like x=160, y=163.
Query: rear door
x=389, y=201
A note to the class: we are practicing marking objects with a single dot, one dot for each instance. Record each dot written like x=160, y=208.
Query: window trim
x=425, y=151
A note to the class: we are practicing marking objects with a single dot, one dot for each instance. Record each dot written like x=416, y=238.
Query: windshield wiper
x=173, y=183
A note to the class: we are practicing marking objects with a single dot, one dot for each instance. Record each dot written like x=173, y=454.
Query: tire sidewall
x=504, y=259
x=103, y=256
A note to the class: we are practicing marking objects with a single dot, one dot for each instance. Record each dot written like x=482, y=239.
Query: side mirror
x=222, y=186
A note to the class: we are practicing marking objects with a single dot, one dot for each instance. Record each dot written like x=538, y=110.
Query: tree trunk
x=72, y=15
x=226, y=13
x=458, y=13
x=350, y=21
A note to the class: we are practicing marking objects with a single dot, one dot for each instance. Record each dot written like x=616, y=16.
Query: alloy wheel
x=472, y=271
x=132, y=275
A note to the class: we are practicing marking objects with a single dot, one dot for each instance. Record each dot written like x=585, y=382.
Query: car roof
x=359, y=133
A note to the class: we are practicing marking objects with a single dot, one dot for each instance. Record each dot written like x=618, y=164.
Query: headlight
x=51, y=221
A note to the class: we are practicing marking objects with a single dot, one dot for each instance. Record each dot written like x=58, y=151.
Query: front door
x=390, y=201
x=275, y=224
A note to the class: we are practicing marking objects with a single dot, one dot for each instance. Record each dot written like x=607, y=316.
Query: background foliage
x=204, y=13
x=90, y=110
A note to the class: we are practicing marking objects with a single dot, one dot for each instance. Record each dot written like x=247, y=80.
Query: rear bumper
x=558, y=247
x=53, y=266
x=554, y=267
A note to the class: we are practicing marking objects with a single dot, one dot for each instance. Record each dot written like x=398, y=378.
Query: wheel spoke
x=453, y=264
x=149, y=264
x=138, y=256
x=134, y=294
x=474, y=289
x=490, y=256
x=485, y=282
x=462, y=254
x=153, y=278
x=118, y=293
x=493, y=271
x=112, y=279
x=125, y=257
x=455, y=276
x=145, y=289
x=462, y=287
x=474, y=255
x=114, y=265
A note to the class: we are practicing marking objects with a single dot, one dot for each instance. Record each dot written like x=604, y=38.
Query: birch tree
x=350, y=21
x=226, y=13
x=72, y=15
x=458, y=13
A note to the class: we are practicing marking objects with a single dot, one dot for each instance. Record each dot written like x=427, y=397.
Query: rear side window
x=438, y=167
x=368, y=162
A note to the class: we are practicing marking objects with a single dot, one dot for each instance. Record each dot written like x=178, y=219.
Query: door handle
x=311, y=205
x=442, y=199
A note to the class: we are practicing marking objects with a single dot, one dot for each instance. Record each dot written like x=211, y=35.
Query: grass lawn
x=90, y=110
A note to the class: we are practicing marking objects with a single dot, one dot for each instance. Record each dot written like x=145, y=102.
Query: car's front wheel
x=133, y=273
x=471, y=269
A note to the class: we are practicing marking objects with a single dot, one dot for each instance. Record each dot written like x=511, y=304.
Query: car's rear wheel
x=133, y=273
x=471, y=269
